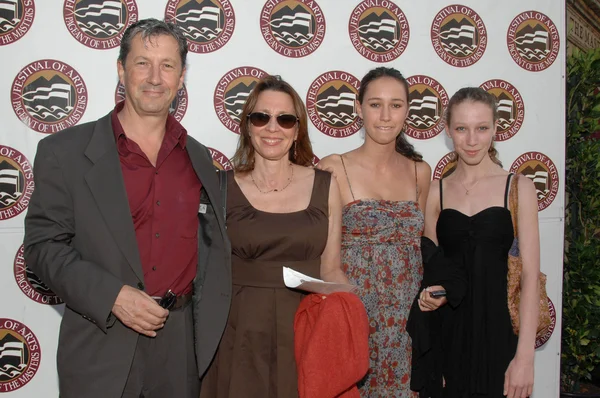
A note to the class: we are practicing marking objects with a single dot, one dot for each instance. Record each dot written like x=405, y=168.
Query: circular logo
x=541, y=170
x=543, y=339
x=16, y=182
x=231, y=93
x=48, y=96
x=207, y=25
x=331, y=104
x=20, y=355
x=30, y=284
x=443, y=167
x=378, y=32
x=177, y=108
x=292, y=28
x=511, y=109
x=99, y=24
x=458, y=35
x=427, y=104
x=533, y=41
x=16, y=18
x=220, y=161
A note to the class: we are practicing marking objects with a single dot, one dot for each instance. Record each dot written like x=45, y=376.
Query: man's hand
x=139, y=311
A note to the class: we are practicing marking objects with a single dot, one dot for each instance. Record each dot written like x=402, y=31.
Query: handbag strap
x=514, y=204
x=223, y=187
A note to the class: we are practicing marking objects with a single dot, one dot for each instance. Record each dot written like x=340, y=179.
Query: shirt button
x=157, y=235
x=153, y=268
x=140, y=286
x=158, y=202
x=156, y=172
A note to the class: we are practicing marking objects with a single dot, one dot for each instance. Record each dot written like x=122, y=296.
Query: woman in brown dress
x=280, y=212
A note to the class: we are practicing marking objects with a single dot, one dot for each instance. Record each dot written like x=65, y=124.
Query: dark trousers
x=165, y=365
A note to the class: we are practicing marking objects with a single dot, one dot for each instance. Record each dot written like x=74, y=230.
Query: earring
x=295, y=150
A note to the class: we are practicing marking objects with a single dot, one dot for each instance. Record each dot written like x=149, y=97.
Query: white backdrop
x=59, y=69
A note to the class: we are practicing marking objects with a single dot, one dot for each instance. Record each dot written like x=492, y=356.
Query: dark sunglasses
x=260, y=119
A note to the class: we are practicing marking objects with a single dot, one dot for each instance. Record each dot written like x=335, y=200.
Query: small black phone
x=437, y=293
x=168, y=300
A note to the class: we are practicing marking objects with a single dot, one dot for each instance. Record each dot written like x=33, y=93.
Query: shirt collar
x=173, y=128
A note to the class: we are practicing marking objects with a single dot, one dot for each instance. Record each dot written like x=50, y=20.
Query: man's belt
x=171, y=302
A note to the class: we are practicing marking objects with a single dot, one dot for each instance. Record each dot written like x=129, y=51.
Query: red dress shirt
x=163, y=201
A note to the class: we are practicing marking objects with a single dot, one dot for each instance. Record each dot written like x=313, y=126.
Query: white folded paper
x=297, y=280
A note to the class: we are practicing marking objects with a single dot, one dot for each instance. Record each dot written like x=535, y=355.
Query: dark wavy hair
x=300, y=153
x=474, y=94
x=152, y=27
x=403, y=147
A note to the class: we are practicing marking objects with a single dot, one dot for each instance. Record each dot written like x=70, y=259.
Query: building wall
x=583, y=24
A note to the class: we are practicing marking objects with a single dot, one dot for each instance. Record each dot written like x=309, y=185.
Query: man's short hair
x=152, y=27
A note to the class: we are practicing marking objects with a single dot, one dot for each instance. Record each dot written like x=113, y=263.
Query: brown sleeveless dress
x=256, y=355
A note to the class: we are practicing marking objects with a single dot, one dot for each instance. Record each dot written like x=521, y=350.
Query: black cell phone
x=168, y=300
x=437, y=293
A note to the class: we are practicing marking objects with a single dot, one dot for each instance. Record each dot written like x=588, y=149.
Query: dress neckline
x=310, y=203
x=386, y=201
x=476, y=214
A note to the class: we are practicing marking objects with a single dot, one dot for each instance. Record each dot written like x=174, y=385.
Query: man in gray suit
x=126, y=225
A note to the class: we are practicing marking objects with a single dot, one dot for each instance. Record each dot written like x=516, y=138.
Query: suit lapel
x=206, y=172
x=106, y=183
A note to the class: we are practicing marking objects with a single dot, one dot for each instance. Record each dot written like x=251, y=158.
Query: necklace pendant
x=275, y=190
x=466, y=192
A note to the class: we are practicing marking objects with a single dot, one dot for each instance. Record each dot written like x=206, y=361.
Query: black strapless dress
x=479, y=342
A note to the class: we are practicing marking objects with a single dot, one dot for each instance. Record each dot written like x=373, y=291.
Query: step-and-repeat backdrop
x=59, y=69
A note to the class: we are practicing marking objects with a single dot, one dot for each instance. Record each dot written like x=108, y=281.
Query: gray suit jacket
x=80, y=240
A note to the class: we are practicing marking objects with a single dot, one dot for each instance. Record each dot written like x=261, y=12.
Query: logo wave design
x=204, y=33
x=100, y=31
x=234, y=104
x=504, y=124
x=194, y=23
x=337, y=119
x=9, y=6
x=41, y=102
x=337, y=110
x=95, y=10
x=6, y=25
x=540, y=180
x=533, y=46
x=459, y=41
x=11, y=371
x=422, y=121
x=288, y=29
x=505, y=111
x=55, y=112
x=88, y=19
x=373, y=34
x=424, y=111
x=8, y=199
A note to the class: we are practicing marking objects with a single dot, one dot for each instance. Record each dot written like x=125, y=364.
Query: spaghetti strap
x=416, y=183
x=508, y=179
x=441, y=196
x=347, y=178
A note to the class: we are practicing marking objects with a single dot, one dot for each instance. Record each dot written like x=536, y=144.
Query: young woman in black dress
x=467, y=214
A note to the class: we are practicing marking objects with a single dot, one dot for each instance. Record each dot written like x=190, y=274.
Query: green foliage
x=581, y=284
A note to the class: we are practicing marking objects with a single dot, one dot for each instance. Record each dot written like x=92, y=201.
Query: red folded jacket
x=331, y=344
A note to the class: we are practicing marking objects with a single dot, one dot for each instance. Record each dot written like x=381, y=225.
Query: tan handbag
x=515, y=267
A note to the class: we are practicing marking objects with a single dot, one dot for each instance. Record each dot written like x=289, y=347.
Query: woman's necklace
x=289, y=181
x=472, y=186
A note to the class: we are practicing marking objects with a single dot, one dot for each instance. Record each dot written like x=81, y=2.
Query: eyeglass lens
x=260, y=119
